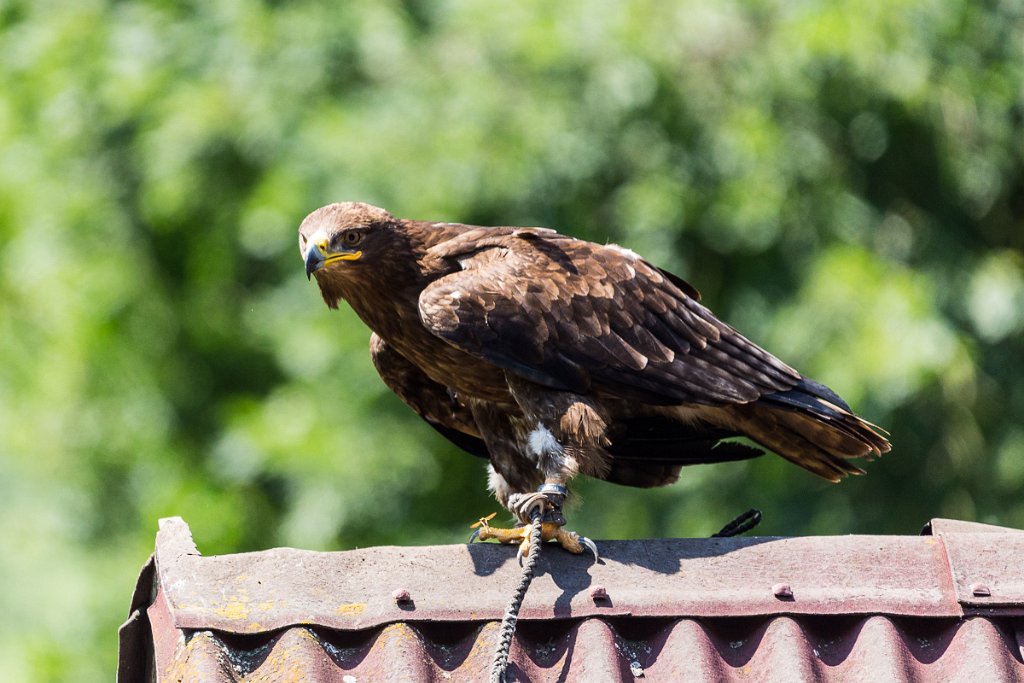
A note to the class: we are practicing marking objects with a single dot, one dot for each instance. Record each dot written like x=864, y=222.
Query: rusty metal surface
x=255, y=592
x=987, y=564
x=135, y=636
x=826, y=608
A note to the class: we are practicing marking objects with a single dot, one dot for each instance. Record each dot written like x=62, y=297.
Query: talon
x=524, y=545
x=479, y=524
x=591, y=546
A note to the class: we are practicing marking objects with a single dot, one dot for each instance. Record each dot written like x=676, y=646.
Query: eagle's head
x=341, y=237
x=352, y=247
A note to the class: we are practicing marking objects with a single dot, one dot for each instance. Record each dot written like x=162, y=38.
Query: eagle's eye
x=351, y=238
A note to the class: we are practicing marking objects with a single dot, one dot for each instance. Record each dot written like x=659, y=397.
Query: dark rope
x=745, y=522
x=508, y=622
x=741, y=525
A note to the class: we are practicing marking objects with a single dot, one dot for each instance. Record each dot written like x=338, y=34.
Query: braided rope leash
x=511, y=617
x=745, y=522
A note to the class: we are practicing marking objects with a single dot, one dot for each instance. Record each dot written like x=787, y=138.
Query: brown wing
x=432, y=401
x=581, y=317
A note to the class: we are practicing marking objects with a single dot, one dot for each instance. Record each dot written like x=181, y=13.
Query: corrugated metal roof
x=945, y=606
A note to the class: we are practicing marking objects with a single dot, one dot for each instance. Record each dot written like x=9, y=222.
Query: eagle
x=552, y=356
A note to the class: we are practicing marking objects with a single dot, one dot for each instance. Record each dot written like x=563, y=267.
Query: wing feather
x=593, y=316
x=431, y=401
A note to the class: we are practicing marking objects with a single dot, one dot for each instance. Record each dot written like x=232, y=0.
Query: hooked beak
x=317, y=256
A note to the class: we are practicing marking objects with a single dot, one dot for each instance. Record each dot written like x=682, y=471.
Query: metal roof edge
x=985, y=564
x=920, y=576
x=821, y=608
x=135, y=631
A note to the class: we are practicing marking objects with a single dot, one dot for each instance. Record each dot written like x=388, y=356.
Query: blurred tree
x=843, y=180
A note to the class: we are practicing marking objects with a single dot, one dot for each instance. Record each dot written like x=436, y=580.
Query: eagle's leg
x=546, y=502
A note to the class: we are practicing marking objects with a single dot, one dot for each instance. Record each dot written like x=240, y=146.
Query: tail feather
x=814, y=428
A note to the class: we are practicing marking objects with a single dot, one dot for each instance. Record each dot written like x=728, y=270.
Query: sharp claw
x=475, y=535
x=591, y=546
x=519, y=554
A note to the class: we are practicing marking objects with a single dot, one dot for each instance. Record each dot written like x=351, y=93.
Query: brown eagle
x=552, y=356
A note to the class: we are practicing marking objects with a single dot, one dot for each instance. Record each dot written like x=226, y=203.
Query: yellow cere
x=343, y=256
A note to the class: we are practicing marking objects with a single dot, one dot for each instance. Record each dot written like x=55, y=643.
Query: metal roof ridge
x=945, y=606
x=932, y=576
x=941, y=526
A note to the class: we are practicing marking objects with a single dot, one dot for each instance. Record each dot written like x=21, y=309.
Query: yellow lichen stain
x=350, y=609
x=285, y=663
x=268, y=605
x=234, y=609
x=288, y=661
x=400, y=632
x=483, y=646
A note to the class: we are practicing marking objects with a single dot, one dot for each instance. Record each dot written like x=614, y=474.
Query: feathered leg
x=552, y=437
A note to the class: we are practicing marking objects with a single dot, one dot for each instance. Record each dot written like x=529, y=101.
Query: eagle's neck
x=385, y=295
x=384, y=292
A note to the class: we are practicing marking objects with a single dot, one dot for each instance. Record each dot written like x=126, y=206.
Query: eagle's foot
x=569, y=540
x=546, y=504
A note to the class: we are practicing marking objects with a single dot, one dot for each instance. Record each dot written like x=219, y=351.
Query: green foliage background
x=843, y=179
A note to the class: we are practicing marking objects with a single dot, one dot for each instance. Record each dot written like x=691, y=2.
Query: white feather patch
x=543, y=442
x=495, y=482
